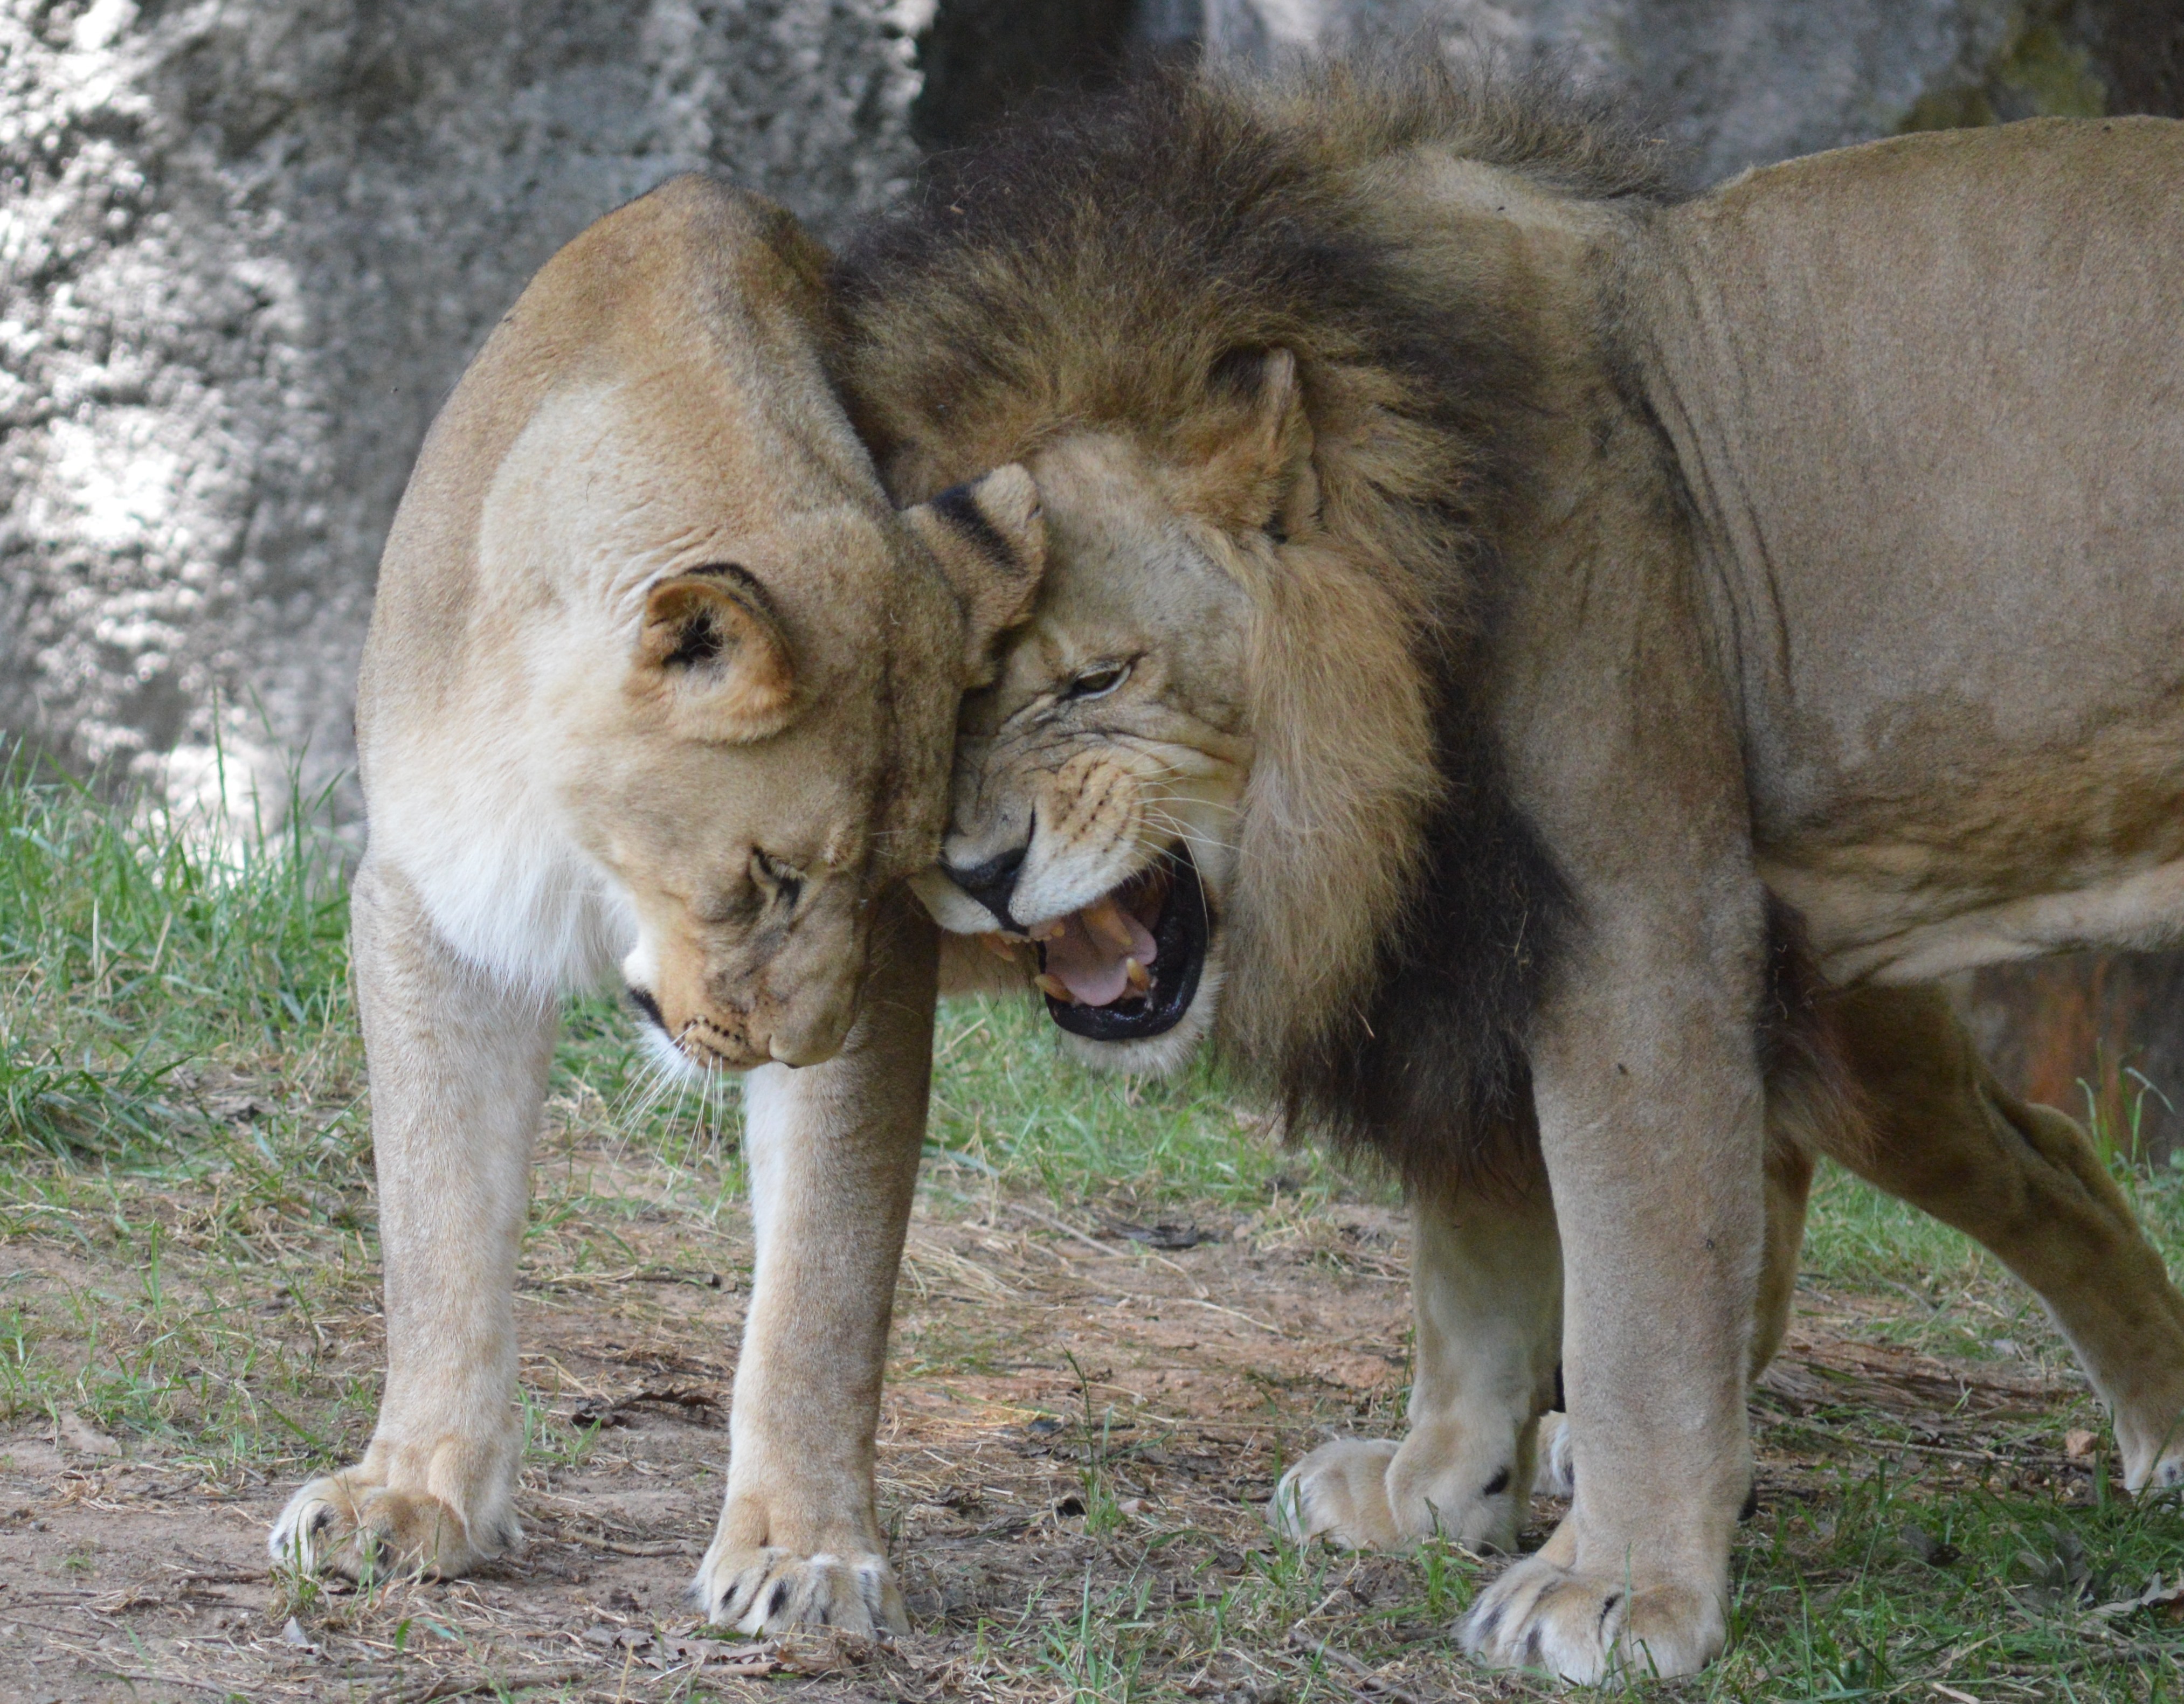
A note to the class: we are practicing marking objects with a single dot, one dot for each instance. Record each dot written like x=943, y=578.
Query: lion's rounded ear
x=710, y=654
x=990, y=539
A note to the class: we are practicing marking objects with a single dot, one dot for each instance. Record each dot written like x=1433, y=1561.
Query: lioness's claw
x=769, y=1590
x=1595, y=1631
x=340, y=1524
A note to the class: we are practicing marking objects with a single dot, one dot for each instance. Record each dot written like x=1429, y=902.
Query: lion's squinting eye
x=1098, y=681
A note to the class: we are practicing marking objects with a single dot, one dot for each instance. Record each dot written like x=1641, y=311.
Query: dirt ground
x=1086, y=1417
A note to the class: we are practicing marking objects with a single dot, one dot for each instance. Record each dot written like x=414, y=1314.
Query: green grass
x=133, y=943
x=183, y=1122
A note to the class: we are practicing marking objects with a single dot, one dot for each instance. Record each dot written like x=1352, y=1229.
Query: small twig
x=1091, y=1242
x=1259, y=1324
x=453, y=1686
x=1367, y=1680
x=2025, y=1458
x=225, y=1691
x=614, y=1548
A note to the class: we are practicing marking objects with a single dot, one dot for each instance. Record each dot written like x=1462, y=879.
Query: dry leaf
x=2157, y=1596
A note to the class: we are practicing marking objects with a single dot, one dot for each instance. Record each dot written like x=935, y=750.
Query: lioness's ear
x=991, y=543
x=711, y=654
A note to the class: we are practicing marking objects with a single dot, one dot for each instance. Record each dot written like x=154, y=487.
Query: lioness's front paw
x=1340, y=1492
x=765, y=1590
x=346, y=1524
x=1591, y=1629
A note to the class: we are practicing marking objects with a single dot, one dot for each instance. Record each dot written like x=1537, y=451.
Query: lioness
x=1477, y=582
x=622, y=700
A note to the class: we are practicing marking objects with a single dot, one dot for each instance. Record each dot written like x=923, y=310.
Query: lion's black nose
x=991, y=883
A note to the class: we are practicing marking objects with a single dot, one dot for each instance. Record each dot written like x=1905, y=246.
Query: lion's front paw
x=344, y=1524
x=1340, y=1492
x=1591, y=1629
x=765, y=1590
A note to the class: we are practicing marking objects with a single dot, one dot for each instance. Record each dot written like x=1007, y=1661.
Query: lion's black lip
x=1180, y=937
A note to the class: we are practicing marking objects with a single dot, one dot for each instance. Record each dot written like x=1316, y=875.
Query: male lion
x=1477, y=582
x=621, y=701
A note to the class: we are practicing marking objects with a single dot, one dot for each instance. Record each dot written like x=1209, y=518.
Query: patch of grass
x=1010, y=1107
x=134, y=943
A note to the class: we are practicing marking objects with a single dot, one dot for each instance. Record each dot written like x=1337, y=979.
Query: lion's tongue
x=1090, y=956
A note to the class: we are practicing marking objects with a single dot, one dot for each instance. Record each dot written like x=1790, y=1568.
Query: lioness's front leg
x=1486, y=1287
x=1651, y=1115
x=457, y=1068
x=833, y=1150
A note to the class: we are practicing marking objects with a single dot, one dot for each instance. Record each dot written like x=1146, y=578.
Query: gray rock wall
x=246, y=246
x=1746, y=82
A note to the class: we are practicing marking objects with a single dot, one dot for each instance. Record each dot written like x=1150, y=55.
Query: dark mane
x=1092, y=270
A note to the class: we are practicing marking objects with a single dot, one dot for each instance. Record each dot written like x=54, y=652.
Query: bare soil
x=1086, y=1416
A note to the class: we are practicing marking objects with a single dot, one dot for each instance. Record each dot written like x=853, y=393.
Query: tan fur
x=620, y=701
x=1486, y=1284
x=1837, y=519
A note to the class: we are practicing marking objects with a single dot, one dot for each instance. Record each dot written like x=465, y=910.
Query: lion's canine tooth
x=1134, y=974
x=1104, y=919
x=1054, y=988
x=1000, y=946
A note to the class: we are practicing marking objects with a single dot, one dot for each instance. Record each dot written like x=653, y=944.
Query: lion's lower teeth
x=1134, y=974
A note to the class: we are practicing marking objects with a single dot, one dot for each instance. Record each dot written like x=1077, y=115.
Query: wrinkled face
x=1099, y=780
x=771, y=774
x=744, y=725
x=763, y=787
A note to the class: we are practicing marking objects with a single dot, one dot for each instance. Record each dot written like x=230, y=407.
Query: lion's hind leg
x=1486, y=1286
x=2023, y=1181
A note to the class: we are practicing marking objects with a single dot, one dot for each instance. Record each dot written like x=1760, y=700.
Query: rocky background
x=246, y=246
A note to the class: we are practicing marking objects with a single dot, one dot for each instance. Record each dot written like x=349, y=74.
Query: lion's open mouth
x=1126, y=965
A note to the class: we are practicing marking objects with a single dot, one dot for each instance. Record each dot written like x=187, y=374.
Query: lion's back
x=1929, y=395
